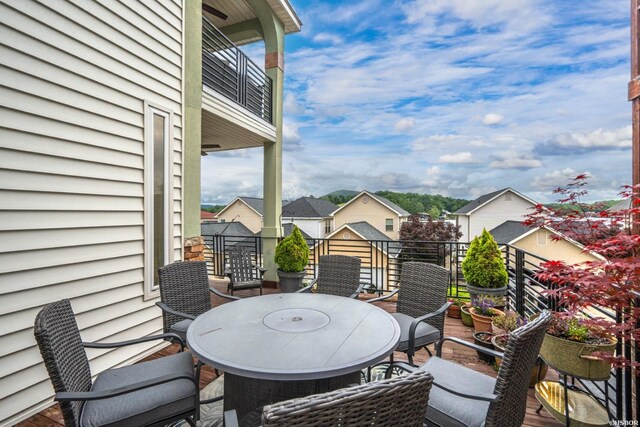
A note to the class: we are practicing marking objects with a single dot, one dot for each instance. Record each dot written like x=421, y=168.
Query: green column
x=192, y=132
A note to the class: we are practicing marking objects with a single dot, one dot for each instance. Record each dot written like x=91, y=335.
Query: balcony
x=230, y=73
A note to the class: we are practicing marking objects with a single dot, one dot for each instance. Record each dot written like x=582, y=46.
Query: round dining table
x=281, y=346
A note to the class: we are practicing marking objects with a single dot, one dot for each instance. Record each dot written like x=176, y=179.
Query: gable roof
x=386, y=202
x=255, y=203
x=368, y=232
x=208, y=215
x=509, y=231
x=486, y=198
x=308, y=207
x=224, y=229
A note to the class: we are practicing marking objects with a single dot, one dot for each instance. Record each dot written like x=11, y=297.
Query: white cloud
x=327, y=38
x=291, y=104
x=554, y=179
x=598, y=139
x=492, y=119
x=405, y=124
x=511, y=160
x=291, y=138
x=464, y=157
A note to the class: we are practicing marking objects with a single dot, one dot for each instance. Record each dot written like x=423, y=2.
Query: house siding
x=74, y=76
x=495, y=213
x=560, y=250
x=240, y=212
x=313, y=227
x=373, y=212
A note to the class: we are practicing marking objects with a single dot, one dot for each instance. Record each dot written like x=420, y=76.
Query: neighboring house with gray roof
x=247, y=210
x=382, y=214
x=311, y=215
x=543, y=242
x=490, y=210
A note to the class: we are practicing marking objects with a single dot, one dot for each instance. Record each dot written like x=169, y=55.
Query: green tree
x=483, y=266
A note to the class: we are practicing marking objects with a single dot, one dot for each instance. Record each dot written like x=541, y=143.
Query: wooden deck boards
x=52, y=417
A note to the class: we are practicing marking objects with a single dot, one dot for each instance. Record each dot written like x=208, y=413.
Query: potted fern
x=483, y=267
x=292, y=256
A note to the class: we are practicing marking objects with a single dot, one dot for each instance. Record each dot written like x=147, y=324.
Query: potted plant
x=482, y=312
x=483, y=339
x=454, y=308
x=576, y=347
x=292, y=256
x=503, y=326
x=465, y=315
x=483, y=267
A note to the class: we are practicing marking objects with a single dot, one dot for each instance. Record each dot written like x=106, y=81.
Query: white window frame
x=150, y=109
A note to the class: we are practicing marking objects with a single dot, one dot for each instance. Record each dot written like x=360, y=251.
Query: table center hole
x=297, y=319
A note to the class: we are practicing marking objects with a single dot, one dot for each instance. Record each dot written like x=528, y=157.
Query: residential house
x=375, y=249
x=247, y=210
x=106, y=110
x=490, y=210
x=543, y=242
x=311, y=215
x=385, y=216
x=206, y=216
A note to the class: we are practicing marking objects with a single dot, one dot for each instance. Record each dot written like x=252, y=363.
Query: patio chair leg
x=387, y=373
x=428, y=351
x=190, y=422
x=410, y=359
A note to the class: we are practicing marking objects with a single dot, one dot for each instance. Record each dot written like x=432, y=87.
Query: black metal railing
x=381, y=263
x=228, y=71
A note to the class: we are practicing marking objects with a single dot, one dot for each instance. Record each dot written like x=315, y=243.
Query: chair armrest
x=135, y=341
x=105, y=394
x=395, y=291
x=231, y=418
x=412, y=329
x=307, y=288
x=357, y=292
x=261, y=270
x=466, y=344
x=484, y=397
x=220, y=294
x=164, y=307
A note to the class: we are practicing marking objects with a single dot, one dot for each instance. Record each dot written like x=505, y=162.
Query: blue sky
x=452, y=97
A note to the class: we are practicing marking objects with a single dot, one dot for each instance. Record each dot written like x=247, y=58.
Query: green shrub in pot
x=292, y=256
x=483, y=267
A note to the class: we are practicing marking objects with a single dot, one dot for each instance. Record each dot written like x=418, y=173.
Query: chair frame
x=66, y=397
x=333, y=263
x=242, y=252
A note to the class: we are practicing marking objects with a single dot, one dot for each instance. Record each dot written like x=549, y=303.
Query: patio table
x=280, y=346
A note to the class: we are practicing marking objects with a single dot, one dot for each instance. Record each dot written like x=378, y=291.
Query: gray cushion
x=144, y=406
x=446, y=409
x=180, y=328
x=425, y=333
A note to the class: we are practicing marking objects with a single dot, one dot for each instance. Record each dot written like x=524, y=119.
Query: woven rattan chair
x=242, y=272
x=464, y=397
x=151, y=393
x=422, y=303
x=338, y=275
x=184, y=295
x=396, y=402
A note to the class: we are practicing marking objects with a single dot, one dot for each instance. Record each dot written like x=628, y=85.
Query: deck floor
x=52, y=417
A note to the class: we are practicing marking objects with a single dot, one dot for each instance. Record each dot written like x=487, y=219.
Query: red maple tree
x=611, y=283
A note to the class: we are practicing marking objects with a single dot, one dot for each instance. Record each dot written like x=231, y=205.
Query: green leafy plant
x=483, y=265
x=484, y=307
x=457, y=301
x=573, y=327
x=509, y=322
x=292, y=253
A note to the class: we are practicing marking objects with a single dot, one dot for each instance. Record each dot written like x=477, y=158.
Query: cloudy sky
x=452, y=97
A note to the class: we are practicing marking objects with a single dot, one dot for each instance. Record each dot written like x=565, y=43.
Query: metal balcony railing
x=228, y=71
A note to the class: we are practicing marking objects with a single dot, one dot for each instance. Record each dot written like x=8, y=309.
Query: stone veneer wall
x=194, y=249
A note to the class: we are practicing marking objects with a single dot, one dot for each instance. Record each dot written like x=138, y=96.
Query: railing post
x=519, y=273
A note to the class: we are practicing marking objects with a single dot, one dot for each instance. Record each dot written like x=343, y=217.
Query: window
x=542, y=237
x=327, y=226
x=388, y=224
x=223, y=220
x=158, y=195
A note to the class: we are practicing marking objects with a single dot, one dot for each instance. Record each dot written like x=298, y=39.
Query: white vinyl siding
x=74, y=76
x=495, y=213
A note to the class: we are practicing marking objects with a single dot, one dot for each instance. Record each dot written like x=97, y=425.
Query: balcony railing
x=228, y=71
x=381, y=263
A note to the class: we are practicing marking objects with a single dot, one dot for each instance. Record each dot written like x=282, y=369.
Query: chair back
x=184, y=286
x=338, y=275
x=64, y=356
x=423, y=289
x=512, y=383
x=398, y=401
x=241, y=264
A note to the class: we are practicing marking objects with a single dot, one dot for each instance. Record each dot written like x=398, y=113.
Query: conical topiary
x=483, y=266
x=292, y=253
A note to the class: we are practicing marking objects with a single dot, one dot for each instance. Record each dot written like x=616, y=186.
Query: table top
x=293, y=336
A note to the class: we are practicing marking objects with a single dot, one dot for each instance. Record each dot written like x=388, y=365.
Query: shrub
x=292, y=253
x=509, y=322
x=483, y=265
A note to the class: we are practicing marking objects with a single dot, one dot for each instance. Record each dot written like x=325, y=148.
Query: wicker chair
x=184, y=295
x=242, y=272
x=422, y=303
x=156, y=392
x=464, y=397
x=338, y=275
x=395, y=402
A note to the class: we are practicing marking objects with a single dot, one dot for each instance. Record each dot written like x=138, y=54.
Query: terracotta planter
x=483, y=323
x=575, y=358
x=465, y=315
x=539, y=371
x=484, y=339
x=454, y=311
